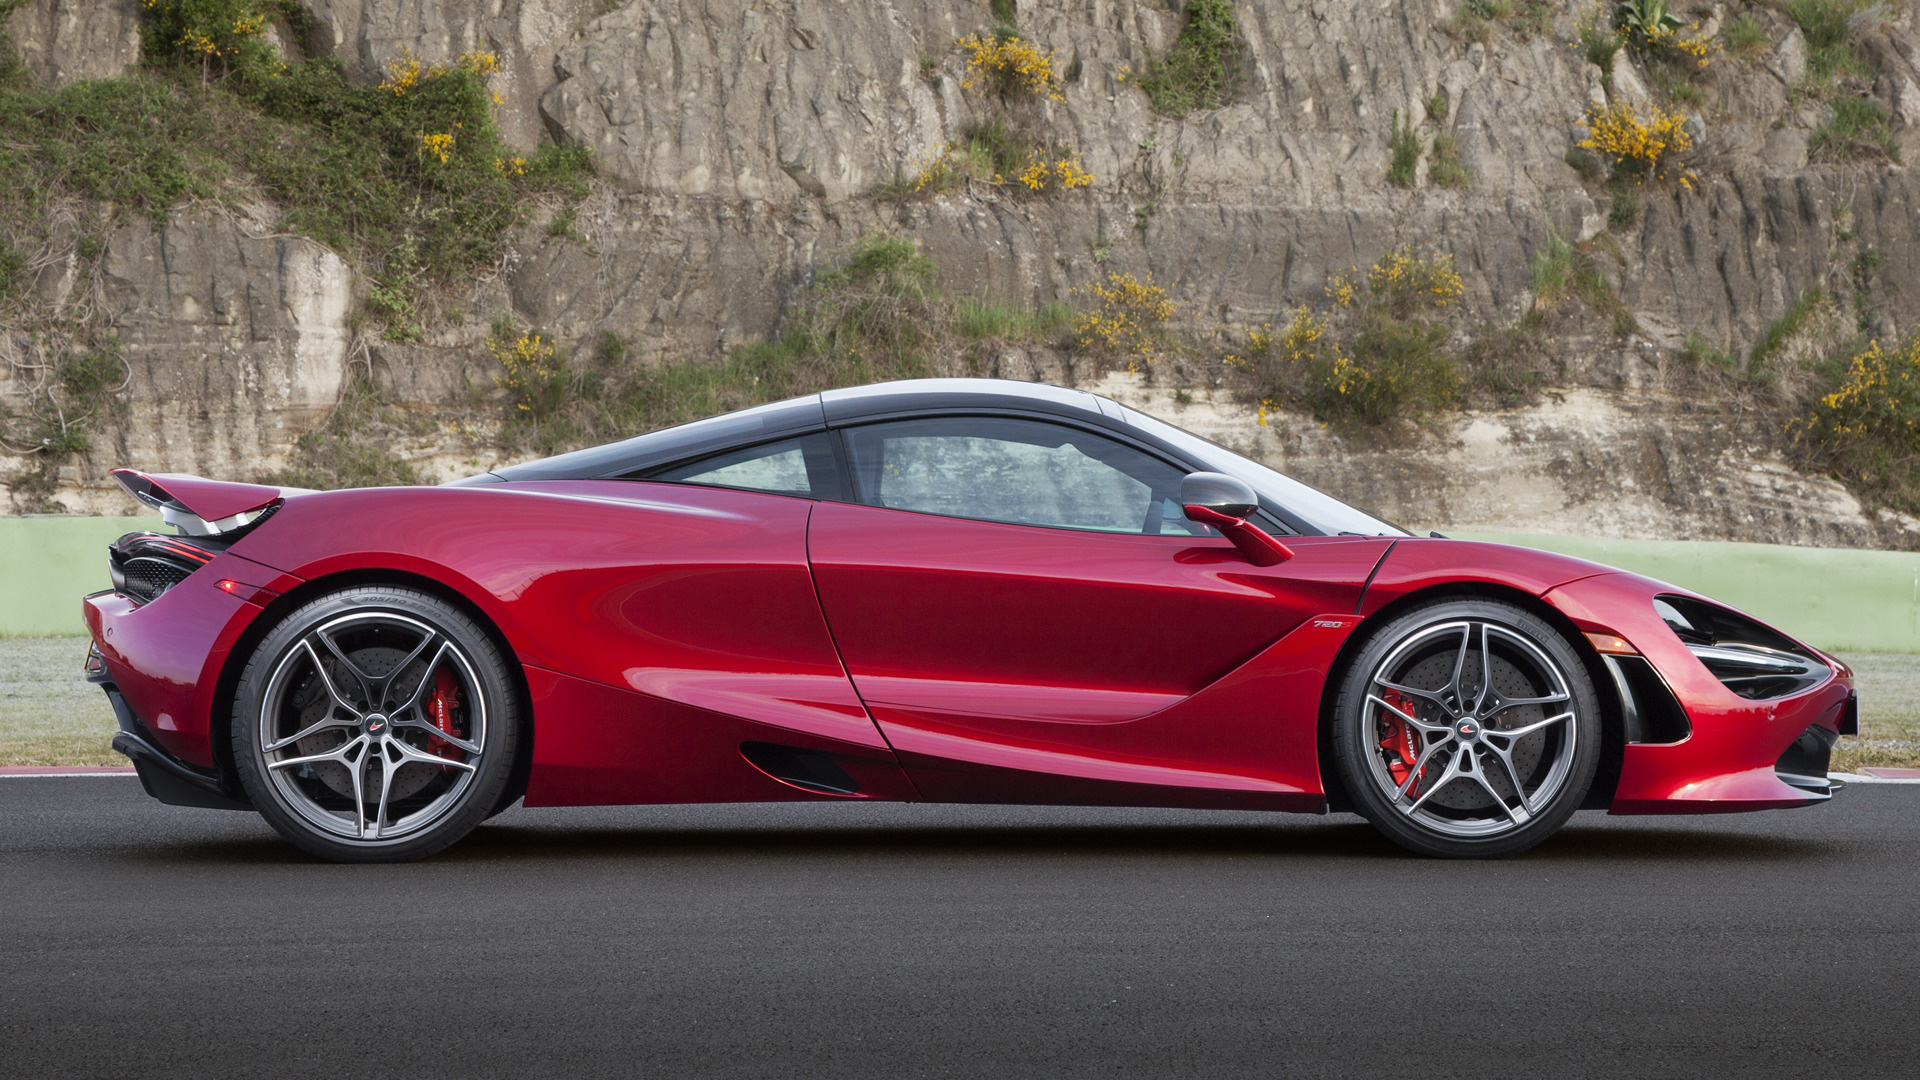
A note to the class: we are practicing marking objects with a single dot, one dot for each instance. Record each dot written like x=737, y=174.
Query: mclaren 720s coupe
x=968, y=591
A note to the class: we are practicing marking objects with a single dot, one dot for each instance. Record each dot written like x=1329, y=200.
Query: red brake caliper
x=441, y=708
x=1400, y=742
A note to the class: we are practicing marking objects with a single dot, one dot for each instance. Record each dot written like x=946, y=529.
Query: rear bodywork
x=689, y=644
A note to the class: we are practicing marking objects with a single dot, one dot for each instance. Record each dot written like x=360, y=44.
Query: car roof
x=813, y=412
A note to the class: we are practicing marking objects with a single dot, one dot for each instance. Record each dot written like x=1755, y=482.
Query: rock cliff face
x=741, y=141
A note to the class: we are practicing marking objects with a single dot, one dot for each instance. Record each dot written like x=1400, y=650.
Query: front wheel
x=375, y=724
x=1467, y=729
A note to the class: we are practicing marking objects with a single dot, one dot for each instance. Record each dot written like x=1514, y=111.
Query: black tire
x=1414, y=701
x=381, y=703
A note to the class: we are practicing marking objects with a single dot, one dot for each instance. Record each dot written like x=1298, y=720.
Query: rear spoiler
x=198, y=506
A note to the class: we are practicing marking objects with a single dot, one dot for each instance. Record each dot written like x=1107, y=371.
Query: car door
x=1029, y=617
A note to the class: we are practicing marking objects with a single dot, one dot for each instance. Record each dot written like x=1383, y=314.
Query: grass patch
x=1202, y=70
x=1859, y=129
x=1830, y=49
x=1447, y=170
x=1552, y=267
x=1697, y=351
x=1779, y=333
x=1747, y=36
x=1624, y=207
x=1405, y=147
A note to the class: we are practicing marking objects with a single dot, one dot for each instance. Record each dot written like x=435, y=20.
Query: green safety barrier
x=1835, y=598
x=48, y=563
x=1839, y=599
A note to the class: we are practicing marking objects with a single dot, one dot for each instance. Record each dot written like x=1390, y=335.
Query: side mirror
x=1225, y=502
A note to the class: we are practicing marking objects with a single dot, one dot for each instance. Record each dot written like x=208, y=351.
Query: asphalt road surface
x=897, y=941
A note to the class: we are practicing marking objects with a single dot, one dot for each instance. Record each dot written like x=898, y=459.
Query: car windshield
x=1316, y=508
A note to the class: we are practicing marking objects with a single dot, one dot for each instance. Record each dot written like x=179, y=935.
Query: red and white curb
x=1878, y=775
x=7, y=771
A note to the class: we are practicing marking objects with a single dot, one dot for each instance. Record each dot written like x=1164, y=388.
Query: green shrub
x=1201, y=71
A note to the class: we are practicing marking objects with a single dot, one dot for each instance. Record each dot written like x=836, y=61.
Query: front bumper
x=1736, y=754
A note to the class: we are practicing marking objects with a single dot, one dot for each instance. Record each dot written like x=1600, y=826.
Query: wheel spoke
x=386, y=682
x=1514, y=703
x=1486, y=672
x=413, y=753
x=1513, y=774
x=326, y=679
x=387, y=772
x=359, y=772
x=437, y=733
x=1447, y=776
x=1434, y=696
x=1424, y=727
x=1419, y=766
x=338, y=755
x=420, y=688
x=1519, y=732
x=1460, y=661
x=318, y=726
x=366, y=685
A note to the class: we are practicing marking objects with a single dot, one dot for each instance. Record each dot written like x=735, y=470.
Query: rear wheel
x=375, y=724
x=1467, y=729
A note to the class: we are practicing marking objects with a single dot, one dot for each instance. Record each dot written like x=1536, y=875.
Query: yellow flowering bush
x=217, y=36
x=1009, y=64
x=1403, y=281
x=1379, y=354
x=437, y=146
x=528, y=369
x=1637, y=144
x=1126, y=318
x=993, y=156
x=1867, y=429
x=405, y=73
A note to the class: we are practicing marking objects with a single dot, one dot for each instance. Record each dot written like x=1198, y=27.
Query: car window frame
x=813, y=445
x=858, y=497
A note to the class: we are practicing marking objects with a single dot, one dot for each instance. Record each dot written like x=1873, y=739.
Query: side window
x=1027, y=472
x=802, y=467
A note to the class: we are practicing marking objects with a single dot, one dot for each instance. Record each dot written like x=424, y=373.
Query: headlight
x=1748, y=658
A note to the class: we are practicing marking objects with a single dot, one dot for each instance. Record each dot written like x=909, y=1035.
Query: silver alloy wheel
x=357, y=690
x=1474, y=729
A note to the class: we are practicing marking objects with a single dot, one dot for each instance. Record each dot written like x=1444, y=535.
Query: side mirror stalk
x=1225, y=502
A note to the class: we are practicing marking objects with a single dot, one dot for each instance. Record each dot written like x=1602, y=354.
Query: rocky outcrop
x=236, y=343
x=65, y=41
x=742, y=142
x=1582, y=462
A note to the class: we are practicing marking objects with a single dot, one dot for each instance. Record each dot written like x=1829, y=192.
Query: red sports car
x=949, y=590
